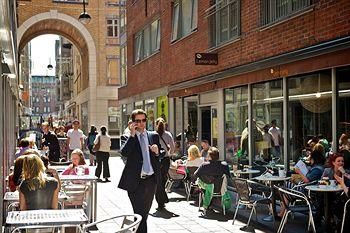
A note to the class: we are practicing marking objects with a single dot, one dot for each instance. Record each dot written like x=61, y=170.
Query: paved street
x=182, y=217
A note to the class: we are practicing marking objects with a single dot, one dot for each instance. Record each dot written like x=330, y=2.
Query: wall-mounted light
x=84, y=17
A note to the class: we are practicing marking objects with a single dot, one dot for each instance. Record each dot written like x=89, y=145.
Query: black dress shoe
x=107, y=180
x=161, y=207
x=99, y=180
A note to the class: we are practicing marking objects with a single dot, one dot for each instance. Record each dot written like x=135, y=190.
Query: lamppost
x=84, y=17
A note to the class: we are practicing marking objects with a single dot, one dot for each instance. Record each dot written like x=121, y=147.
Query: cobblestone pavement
x=181, y=216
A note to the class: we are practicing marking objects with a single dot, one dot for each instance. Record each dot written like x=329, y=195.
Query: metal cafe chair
x=130, y=223
x=306, y=208
x=344, y=215
x=174, y=176
x=246, y=198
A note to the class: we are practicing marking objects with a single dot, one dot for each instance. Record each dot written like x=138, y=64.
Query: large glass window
x=224, y=21
x=236, y=114
x=343, y=104
x=275, y=10
x=147, y=41
x=123, y=65
x=310, y=110
x=112, y=71
x=267, y=121
x=184, y=18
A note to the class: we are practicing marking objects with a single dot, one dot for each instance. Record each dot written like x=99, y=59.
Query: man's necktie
x=146, y=167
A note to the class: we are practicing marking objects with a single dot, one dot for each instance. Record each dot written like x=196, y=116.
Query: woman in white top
x=102, y=154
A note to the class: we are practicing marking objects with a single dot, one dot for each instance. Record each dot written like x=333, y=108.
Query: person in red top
x=78, y=164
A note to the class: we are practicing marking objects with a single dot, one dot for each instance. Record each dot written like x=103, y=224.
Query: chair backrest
x=173, y=175
x=242, y=189
x=287, y=194
x=129, y=224
x=191, y=171
x=76, y=194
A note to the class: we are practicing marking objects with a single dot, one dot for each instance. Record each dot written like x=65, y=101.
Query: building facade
x=276, y=60
x=9, y=91
x=95, y=78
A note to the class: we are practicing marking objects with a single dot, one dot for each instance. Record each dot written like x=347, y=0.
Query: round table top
x=324, y=188
x=271, y=178
x=246, y=171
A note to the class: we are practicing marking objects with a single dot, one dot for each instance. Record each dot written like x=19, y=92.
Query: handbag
x=97, y=145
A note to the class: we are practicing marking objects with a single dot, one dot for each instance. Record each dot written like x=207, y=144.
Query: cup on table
x=282, y=173
x=80, y=170
x=333, y=183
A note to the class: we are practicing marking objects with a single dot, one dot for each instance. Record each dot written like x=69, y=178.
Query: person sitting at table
x=23, y=145
x=77, y=161
x=50, y=172
x=335, y=166
x=37, y=191
x=209, y=174
x=315, y=173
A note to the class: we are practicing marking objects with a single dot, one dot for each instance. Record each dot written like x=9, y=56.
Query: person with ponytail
x=167, y=143
x=37, y=191
x=102, y=154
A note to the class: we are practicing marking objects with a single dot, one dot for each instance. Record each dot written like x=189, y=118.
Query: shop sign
x=206, y=59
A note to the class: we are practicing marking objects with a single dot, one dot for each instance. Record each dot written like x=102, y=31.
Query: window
x=275, y=10
x=147, y=41
x=112, y=71
x=123, y=67
x=184, y=18
x=224, y=21
x=48, y=109
x=112, y=27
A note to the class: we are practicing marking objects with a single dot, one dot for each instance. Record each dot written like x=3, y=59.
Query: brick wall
x=175, y=62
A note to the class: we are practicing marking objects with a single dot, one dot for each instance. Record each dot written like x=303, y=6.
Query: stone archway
x=53, y=22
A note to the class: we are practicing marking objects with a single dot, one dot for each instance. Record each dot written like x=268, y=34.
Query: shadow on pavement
x=164, y=214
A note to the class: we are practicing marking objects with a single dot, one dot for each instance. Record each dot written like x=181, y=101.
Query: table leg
x=326, y=212
x=272, y=215
x=94, y=213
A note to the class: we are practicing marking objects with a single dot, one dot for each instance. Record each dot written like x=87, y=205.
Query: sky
x=42, y=53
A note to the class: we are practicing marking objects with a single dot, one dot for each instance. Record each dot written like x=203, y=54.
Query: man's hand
x=133, y=128
x=154, y=149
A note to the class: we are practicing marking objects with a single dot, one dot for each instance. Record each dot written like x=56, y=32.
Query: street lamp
x=84, y=17
x=49, y=66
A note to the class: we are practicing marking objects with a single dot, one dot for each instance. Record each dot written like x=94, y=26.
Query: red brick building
x=283, y=60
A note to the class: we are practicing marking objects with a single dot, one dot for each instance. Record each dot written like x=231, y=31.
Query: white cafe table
x=245, y=171
x=326, y=190
x=33, y=219
x=93, y=198
x=14, y=196
x=271, y=180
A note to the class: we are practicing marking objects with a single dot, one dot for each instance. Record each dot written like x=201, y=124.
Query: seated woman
x=50, y=172
x=315, y=173
x=37, y=191
x=193, y=162
x=335, y=166
x=78, y=162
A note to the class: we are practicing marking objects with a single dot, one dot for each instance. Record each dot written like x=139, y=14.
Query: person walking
x=50, y=141
x=142, y=169
x=75, y=138
x=90, y=144
x=102, y=154
x=167, y=142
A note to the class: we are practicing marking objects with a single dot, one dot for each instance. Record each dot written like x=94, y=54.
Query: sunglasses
x=139, y=121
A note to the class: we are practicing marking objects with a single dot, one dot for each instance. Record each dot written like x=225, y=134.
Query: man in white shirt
x=277, y=138
x=75, y=137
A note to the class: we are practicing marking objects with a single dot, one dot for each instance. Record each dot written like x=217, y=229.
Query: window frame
x=270, y=10
x=139, y=42
x=214, y=21
x=177, y=32
x=114, y=25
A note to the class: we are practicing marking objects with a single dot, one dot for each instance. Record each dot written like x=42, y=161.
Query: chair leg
x=343, y=221
x=251, y=212
x=168, y=185
x=284, y=221
x=234, y=217
x=280, y=228
x=199, y=201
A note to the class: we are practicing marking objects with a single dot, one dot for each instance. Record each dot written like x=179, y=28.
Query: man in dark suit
x=50, y=140
x=142, y=169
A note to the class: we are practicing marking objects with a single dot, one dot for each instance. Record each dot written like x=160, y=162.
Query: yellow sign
x=162, y=107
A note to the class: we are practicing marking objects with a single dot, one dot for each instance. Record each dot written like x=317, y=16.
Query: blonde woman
x=195, y=158
x=37, y=191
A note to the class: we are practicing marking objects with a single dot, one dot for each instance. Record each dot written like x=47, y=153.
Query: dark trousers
x=102, y=159
x=161, y=195
x=141, y=200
